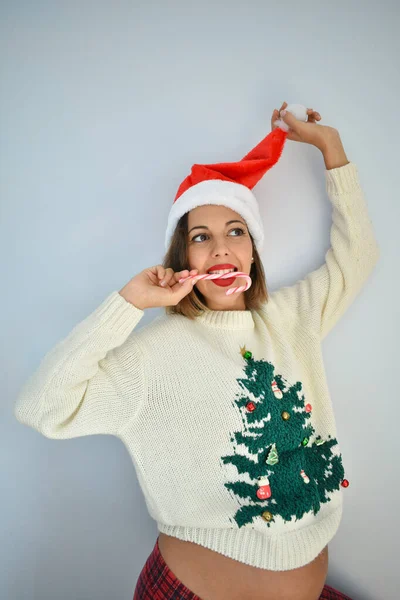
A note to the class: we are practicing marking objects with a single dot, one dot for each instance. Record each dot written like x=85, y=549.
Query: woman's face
x=219, y=235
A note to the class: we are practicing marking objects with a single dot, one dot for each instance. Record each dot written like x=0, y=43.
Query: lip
x=222, y=266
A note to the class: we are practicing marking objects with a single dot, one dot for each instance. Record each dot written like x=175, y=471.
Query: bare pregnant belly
x=213, y=576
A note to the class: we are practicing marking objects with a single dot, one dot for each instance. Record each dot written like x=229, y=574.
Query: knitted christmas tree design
x=289, y=468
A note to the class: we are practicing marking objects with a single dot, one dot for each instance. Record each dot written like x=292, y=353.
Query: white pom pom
x=298, y=111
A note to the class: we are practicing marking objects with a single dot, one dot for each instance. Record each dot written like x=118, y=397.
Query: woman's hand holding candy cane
x=160, y=286
x=157, y=286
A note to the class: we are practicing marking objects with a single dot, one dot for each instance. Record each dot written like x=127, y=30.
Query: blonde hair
x=194, y=303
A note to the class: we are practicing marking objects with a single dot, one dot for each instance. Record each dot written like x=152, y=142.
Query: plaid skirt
x=157, y=582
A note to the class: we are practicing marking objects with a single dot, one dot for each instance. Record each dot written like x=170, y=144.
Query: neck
x=238, y=304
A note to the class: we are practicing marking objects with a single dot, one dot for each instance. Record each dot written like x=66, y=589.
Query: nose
x=220, y=248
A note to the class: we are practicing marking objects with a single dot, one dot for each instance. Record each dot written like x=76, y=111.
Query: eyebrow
x=227, y=223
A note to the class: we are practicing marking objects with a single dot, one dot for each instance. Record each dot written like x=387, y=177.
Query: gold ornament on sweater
x=245, y=353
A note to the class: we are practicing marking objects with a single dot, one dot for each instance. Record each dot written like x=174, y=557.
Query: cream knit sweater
x=227, y=418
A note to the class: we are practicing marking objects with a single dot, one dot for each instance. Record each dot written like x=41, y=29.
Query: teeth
x=222, y=271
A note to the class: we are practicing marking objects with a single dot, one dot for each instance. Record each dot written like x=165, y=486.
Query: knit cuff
x=342, y=180
x=118, y=314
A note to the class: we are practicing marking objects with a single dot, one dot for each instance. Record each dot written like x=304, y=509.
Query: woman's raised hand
x=157, y=286
x=310, y=132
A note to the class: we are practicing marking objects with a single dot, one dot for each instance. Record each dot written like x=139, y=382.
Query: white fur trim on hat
x=236, y=196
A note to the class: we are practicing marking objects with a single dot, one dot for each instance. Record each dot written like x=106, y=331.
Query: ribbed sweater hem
x=278, y=552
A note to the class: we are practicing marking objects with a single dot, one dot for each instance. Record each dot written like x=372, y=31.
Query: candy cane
x=241, y=288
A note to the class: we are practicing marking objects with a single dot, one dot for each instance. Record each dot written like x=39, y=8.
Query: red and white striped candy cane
x=241, y=288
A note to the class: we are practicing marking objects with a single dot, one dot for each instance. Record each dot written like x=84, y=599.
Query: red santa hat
x=229, y=184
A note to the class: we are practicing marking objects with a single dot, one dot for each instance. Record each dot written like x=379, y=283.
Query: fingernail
x=163, y=282
x=283, y=113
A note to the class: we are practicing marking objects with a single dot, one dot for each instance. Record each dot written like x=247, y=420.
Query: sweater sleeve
x=91, y=382
x=321, y=298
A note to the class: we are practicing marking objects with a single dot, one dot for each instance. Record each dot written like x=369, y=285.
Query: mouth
x=222, y=271
x=223, y=283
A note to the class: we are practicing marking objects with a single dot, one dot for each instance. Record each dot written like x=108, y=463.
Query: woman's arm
x=334, y=154
x=91, y=382
x=321, y=298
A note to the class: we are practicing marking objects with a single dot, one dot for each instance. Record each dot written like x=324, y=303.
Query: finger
x=185, y=286
x=160, y=271
x=284, y=105
x=179, y=274
x=313, y=115
x=275, y=116
x=182, y=274
x=163, y=276
x=166, y=278
x=190, y=274
x=291, y=121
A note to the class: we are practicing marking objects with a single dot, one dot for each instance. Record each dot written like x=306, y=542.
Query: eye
x=238, y=229
x=196, y=236
x=235, y=229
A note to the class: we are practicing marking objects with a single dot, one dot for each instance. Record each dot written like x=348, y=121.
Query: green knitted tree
x=291, y=472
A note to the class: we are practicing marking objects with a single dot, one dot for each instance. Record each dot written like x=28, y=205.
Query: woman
x=222, y=402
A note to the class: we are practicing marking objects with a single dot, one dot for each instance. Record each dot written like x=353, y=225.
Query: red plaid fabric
x=157, y=582
x=329, y=593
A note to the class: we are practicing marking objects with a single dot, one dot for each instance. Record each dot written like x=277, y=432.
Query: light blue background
x=104, y=108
